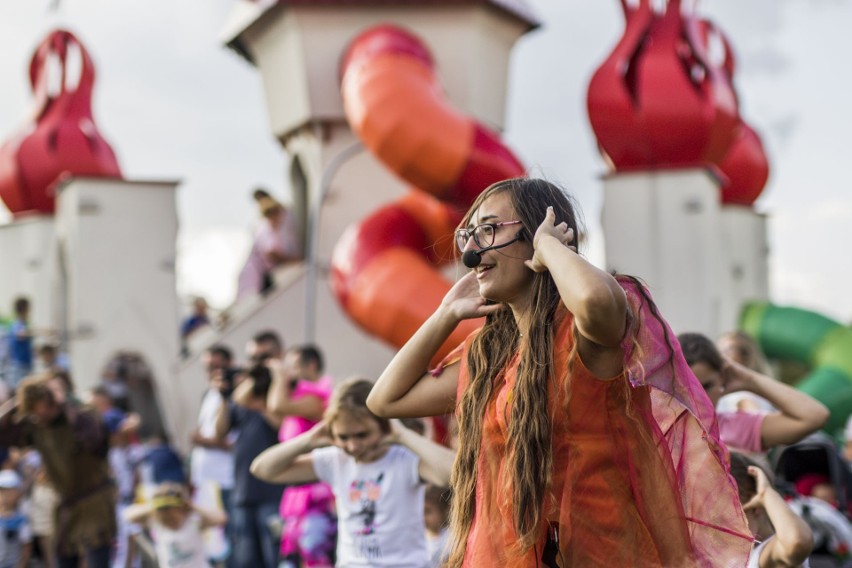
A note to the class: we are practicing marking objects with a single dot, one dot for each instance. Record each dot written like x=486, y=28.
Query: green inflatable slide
x=822, y=344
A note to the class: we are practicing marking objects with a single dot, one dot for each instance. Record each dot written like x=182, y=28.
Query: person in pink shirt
x=797, y=413
x=275, y=243
x=300, y=394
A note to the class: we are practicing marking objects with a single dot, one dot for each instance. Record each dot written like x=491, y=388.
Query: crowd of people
x=574, y=428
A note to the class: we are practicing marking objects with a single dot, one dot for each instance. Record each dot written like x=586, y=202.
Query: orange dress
x=624, y=492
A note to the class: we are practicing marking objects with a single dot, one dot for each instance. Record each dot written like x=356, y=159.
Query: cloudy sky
x=176, y=104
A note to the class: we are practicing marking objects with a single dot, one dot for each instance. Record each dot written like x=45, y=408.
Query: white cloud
x=210, y=261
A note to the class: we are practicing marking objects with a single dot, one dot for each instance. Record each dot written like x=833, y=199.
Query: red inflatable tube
x=385, y=268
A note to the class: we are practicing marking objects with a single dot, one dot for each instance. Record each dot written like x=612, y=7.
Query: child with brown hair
x=781, y=538
x=377, y=470
x=436, y=516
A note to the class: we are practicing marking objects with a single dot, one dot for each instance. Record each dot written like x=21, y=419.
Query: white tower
x=701, y=260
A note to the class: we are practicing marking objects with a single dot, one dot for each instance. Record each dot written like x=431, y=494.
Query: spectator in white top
x=212, y=458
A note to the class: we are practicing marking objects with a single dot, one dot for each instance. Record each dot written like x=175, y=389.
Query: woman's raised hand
x=463, y=300
x=549, y=228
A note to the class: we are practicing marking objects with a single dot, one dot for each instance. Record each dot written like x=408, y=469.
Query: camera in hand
x=262, y=379
x=229, y=377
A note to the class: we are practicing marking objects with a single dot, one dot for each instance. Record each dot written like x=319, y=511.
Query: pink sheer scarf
x=640, y=473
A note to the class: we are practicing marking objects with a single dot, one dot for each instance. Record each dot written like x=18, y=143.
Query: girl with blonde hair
x=377, y=470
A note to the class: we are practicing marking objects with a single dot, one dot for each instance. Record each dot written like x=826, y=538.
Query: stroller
x=832, y=529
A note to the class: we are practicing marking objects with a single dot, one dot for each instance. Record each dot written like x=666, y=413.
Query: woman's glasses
x=483, y=235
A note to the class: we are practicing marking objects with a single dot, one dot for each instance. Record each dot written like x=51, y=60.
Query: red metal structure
x=659, y=101
x=61, y=138
x=385, y=269
x=744, y=169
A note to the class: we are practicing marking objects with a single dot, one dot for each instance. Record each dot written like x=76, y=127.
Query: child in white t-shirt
x=376, y=468
x=176, y=526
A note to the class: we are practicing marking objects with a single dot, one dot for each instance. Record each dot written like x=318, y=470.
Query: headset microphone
x=472, y=258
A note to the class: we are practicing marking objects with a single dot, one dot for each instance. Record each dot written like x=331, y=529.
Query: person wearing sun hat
x=176, y=526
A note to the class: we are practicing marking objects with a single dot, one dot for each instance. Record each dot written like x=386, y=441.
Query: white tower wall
x=701, y=260
x=117, y=239
x=28, y=261
x=298, y=49
x=745, y=271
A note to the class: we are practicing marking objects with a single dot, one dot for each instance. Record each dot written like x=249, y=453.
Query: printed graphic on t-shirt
x=363, y=495
x=178, y=556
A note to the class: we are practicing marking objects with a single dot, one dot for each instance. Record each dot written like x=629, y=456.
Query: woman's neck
x=521, y=311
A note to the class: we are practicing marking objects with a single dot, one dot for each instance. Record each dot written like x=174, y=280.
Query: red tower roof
x=660, y=101
x=61, y=140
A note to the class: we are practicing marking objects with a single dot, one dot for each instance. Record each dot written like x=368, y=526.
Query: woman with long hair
x=584, y=440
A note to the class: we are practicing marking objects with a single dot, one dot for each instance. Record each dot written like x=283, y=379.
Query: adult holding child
x=576, y=410
x=73, y=444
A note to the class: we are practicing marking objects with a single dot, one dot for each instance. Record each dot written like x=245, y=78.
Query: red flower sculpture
x=659, y=101
x=61, y=138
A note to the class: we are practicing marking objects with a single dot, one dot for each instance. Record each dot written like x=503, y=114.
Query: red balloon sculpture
x=61, y=139
x=659, y=101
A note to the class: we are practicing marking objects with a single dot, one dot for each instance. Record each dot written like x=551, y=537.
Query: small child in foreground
x=176, y=526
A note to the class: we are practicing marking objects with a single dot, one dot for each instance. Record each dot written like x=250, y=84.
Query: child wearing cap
x=15, y=533
x=176, y=526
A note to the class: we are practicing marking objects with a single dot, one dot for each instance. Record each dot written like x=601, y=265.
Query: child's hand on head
x=733, y=377
x=763, y=486
x=320, y=435
x=396, y=428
